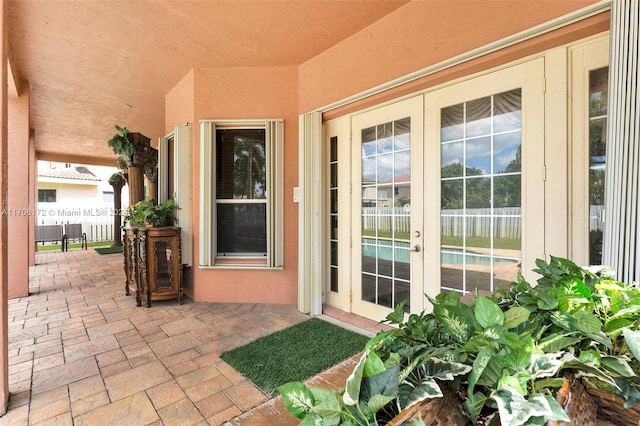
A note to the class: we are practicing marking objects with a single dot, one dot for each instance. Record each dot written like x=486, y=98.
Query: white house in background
x=74, y=193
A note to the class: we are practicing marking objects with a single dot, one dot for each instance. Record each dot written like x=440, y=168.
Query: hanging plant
x=117, y=179
x=122, y=145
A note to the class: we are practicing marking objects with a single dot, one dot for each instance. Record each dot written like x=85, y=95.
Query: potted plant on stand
x=149, y=214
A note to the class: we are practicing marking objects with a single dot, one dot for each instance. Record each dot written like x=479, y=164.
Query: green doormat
x=295, y=353
x=109, y=250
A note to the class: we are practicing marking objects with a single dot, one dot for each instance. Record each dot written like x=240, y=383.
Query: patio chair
x=73, y=231
x=49, y=234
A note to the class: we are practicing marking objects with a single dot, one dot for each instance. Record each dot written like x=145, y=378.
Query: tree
x=249, y=171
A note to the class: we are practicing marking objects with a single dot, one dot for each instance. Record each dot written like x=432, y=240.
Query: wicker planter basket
x=448, y=410
x=577, y=403
x=445, y=411
x=611, y=409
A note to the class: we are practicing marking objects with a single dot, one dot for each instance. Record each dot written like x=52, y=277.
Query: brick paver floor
x=82, y=353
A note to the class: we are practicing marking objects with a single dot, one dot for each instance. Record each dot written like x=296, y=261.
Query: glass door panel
x=588, y=139
x=598, y=81
x=389, y=224
x=386, y=201
x=337, y=254
x=491, y=166
x=480, y=172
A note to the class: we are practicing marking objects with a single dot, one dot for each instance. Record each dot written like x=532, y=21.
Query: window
x=598, y=80
x=107, y=197
x=174, y=182
x=46, y=195
x=241, y=197
x=588, y=139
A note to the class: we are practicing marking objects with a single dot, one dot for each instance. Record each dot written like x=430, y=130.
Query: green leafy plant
x=148, y=212
x=117, y=179
x=121, y=164
x=122, y=146
x=505, y=356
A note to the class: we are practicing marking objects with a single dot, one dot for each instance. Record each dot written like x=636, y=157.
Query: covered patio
x=82, y=353
x=309, y=76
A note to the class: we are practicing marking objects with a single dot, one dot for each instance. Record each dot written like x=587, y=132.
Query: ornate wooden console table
x=152, y=263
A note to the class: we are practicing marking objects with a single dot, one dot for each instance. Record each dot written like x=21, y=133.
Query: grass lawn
x=484, y=242
x=74, y=245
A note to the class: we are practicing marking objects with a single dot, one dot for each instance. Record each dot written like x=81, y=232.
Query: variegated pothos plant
x=504, y=355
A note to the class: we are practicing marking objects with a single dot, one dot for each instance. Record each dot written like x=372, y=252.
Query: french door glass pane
x=481, y=143
x=386, y=206
x=333, y=214
x=598, y=80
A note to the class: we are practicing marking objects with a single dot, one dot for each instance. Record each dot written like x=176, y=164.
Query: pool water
x=399, y=251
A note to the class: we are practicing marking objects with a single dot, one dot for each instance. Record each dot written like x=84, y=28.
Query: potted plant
x=504, y=357
x=117, y=179
x=137, y=155
x=163, y=214
x=150, y=214
x=122, y=145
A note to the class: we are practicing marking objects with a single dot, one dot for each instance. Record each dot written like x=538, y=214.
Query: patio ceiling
x=93, y=64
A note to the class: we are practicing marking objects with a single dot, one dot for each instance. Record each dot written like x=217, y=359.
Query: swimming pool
x=399, y=251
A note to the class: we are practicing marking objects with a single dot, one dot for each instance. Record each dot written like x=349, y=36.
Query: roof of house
x=76, y=173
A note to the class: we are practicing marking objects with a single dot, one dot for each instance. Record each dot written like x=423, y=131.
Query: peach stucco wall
x=242, y=93
x=19, y=208
x=415, y=36
x=179, y=104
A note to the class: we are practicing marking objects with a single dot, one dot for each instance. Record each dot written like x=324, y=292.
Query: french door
x=440, y=192
x=387, y=196
x=484, y=164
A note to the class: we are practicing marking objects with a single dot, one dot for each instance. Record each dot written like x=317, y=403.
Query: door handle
x=416, y=248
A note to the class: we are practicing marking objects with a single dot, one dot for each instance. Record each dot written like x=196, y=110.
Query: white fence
x=507, y=222
x=596, y=218
x=386, y=219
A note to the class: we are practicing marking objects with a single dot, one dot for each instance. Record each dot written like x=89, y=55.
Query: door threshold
x=356, y=323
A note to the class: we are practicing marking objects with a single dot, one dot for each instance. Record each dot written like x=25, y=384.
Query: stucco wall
x=421, y=34
x=18, y=195
x=242, y=93
x=72, y=202
x=415, y=36
x=179, y=104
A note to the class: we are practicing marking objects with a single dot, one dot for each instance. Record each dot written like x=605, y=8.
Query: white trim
x=182, y=195
x=311, y=274
x=207, y=207
x=163, y=164
x=183, y=188
x=274, y=136
x=529, y=33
